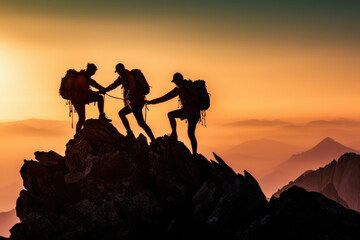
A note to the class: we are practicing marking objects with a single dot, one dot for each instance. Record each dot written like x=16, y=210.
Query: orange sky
x=290, y=63
x=250, y=72
x=295, y=61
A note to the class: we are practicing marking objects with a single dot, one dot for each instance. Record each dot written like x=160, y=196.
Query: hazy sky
x=262, y=59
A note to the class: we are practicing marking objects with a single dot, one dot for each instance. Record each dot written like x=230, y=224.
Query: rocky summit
x=109, y=187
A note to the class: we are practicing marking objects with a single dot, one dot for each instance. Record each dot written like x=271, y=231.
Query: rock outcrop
x=106, y=187
x=339, y=181
x=320, y=155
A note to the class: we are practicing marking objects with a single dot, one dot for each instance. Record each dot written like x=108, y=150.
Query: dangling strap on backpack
x=146, y=109
x=203, y=118
x=71, y=112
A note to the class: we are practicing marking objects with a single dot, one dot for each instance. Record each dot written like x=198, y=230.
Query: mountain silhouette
x=264, y=148
x=8, y=195
x=323, y=153
x=339, y=181
x=258, y=156
x=108, y=187
x=258, y=123
x=319, y=154
x=7, y=220
x=34, y=128
x=341, y=121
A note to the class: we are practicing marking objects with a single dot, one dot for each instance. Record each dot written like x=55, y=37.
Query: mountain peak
x=326, y=150
x=330, y=145
x=321, y=154
x=328, y=140
x=109, y=187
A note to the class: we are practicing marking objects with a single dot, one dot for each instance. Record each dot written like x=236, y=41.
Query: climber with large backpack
x=135, y=87
x=194, y=99
x=75, y=87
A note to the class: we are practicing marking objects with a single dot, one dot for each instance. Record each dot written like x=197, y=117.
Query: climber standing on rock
x=135, y=88
x=190, y=101
x=75, y=86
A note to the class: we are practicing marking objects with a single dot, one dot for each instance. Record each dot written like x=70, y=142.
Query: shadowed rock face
x=108, y=188
x=339, y=181
x=318, y=156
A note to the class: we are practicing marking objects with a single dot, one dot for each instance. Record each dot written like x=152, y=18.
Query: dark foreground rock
x=109, y=188
x=339, y=181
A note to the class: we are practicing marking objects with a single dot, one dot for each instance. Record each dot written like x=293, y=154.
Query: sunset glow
x=271, y=70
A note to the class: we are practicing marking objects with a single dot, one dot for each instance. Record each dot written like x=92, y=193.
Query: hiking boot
x=130, y=136
x=103, y=117
x=172, y=136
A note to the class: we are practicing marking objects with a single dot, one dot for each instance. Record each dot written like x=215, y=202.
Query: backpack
x=71, y=83
x=141, y=84
x=204, y=97
x=67, y=83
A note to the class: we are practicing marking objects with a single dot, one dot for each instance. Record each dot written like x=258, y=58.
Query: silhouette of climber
x=190, y=107
x=134, y=100
x=84, y=95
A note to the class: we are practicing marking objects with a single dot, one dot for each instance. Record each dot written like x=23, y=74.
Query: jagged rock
x=107, y=187
x=339, y=181
x=330, y=192
x=237, y=205
x=173, y=171
x=298, y=214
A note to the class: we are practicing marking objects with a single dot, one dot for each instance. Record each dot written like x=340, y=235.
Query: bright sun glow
x=4, y=70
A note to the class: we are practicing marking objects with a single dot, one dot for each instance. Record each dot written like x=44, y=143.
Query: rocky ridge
x=106, y=187
x=321, y=154
x=339, y=181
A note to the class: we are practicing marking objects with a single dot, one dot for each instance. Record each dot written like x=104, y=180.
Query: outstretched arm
x=173, y=93
x=94, y=84
x=114, y=85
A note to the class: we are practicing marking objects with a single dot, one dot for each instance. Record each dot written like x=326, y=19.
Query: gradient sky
x=261, y=59
x=285, y=60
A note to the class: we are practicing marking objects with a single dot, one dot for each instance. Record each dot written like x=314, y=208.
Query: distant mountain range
x=264, y=148
x=281, y=123
x=7, y=220
x=35, y=127
x=258, y=123
x=340, y=121
x=339, y=181
x=318, y=156
x=9, y=194
x=258, y=156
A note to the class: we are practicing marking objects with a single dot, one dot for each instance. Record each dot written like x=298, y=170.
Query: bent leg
x=96, y=97
x=137, y=110
x=122, y=114
x=172, y=115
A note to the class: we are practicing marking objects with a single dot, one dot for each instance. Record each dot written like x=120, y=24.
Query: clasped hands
x=102, y=91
